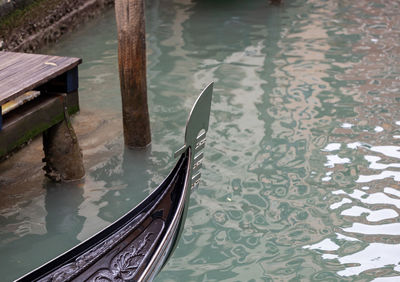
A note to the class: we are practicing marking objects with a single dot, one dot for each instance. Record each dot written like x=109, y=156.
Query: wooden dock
x=55, y=80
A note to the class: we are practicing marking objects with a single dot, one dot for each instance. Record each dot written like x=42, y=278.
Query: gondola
x=136, y=246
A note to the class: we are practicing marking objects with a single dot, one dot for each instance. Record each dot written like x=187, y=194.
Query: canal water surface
x=302, y=165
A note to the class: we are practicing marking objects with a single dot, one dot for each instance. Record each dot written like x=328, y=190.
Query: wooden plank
x=38, y=70
x=20, y=100
x=24, y=67
x=20, y=72
x=33, y=118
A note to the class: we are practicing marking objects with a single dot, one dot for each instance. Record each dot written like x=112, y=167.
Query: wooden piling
x=63, y=155
x=132, y=71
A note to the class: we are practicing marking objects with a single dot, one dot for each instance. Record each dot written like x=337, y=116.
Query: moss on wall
x=27, y=13
x=39, y=22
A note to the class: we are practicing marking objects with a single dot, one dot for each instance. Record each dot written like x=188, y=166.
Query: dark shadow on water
x=62, y=205
x=62, y=225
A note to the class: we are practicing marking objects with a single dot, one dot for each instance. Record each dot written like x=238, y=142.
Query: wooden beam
x=132, y=71
x=32, y=118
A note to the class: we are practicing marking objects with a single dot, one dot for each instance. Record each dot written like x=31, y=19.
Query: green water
x=301, y=172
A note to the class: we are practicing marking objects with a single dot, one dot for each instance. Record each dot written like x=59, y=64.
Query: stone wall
x=27, y=25
x=8, y=6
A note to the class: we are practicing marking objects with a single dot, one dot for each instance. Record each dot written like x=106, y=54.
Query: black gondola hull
x=135, y=247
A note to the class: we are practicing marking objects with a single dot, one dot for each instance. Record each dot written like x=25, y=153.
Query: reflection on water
x=28, y=220
x=369, y=201
x=301, y=173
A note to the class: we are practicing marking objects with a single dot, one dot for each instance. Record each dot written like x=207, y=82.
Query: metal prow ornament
x=196, y=130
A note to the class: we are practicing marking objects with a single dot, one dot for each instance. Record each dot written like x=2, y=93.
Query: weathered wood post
x=132, y=71
x=63, y=156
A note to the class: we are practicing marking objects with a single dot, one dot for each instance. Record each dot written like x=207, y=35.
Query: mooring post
x=63, y=156
x=132, y=72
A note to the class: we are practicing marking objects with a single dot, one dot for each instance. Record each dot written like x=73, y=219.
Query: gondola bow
x=136, y=246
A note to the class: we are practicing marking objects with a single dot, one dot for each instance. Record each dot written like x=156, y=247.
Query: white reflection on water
x=384, y=229
x=341, y=203
x=335, y=159
x=384, y=174
x=332, y=147
x=347, y=238
x=374, y=198
x=328, y=176
x=386, y=279
x=325, y=245
x=375, y=165
x=346, y=125
x=375, y=255
x=373, y=215
x=389, y=190
x=390, y=151
x=373, y=208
